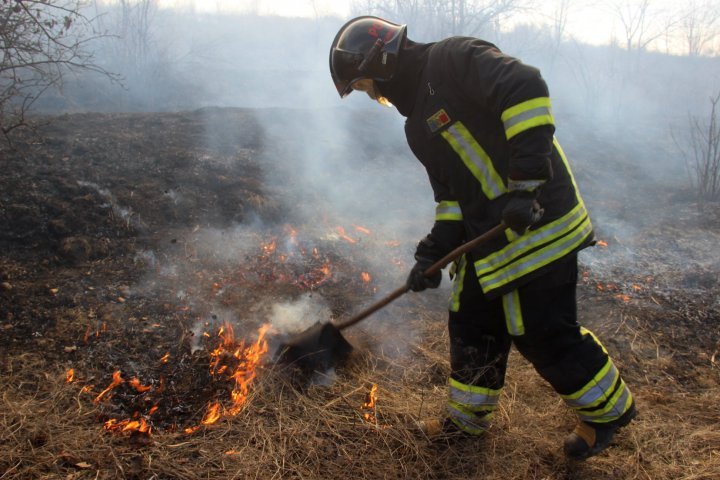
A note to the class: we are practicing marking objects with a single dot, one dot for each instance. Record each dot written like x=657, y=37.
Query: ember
x=362, y=229
x=341, y=232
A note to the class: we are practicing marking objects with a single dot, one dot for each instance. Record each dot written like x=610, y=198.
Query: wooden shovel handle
x=431, y=270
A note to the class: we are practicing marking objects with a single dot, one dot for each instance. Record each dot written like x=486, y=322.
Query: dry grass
x=50, y=430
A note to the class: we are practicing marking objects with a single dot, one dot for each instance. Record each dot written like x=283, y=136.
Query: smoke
x=297, y=315
x=344, y=163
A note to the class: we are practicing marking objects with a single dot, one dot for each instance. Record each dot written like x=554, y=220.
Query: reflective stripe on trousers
x=471, y=407
x=605, y=397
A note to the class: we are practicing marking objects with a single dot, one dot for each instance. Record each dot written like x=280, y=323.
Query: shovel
x=322, y=346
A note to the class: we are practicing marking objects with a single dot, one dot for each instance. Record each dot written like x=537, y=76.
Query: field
x=152, y=263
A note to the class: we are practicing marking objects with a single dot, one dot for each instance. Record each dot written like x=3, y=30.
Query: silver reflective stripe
x=458, y=282
x=475, y=159
x=531, y=239
x=540, y=258
x=447, y=210
x=539, y=112
x=524, y=185
x=528, y=114
x=613, y=410
x=597, y=390
x=513, y=314
x=474, y=401
x=468, y=421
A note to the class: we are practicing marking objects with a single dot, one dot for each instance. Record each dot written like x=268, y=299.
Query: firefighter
x=481, y=124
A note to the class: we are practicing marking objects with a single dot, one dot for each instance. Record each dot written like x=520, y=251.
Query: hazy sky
x=290, y=8
x=590, y=21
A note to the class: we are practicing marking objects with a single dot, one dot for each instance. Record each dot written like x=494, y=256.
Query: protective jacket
x=482, y=126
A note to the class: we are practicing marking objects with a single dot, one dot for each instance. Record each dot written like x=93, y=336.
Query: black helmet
x=365, y=47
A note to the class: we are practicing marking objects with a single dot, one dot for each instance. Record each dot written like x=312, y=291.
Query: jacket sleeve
x=517, y=96
x=448, y=231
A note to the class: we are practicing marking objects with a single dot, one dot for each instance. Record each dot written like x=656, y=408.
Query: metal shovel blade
x=322, y=346
x=316, y=349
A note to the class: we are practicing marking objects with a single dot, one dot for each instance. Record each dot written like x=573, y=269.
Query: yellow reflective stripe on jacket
x=458, y=282
x=447, y=210
x=472, y=397
x=557, y=238
x=523, y=244
x=475, y=159
x=513, y=314
x=525, y=115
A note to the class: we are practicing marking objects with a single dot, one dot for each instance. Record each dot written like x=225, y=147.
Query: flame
x=246, y=372
x=135, y=383
x=128, y=425
x=362, y=229
x=116, y=380
x=365, y=276
x=70, y=375
x=602, y=243
x=212, y=414
x=239, y=364
x=341, y=232
x=369, y=405
x=270, y=247
x=165, y=358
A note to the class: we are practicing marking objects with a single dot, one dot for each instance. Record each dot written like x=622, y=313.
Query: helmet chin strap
x=374, y=51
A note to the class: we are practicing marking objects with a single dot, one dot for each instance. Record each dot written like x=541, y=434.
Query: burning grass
x=359, y=420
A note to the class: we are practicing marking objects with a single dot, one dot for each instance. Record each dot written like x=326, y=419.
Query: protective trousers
x=540, y=319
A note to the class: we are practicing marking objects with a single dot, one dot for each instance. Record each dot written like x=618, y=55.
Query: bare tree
x=41, y=41
x=699, y=25
x=702, y=154
x=441, y=18
x=639, y=22
x=131, y=23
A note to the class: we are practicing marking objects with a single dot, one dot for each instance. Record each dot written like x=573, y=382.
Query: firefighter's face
x=369, y=86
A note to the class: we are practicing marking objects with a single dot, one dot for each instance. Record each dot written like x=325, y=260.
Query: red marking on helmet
x=374, y=30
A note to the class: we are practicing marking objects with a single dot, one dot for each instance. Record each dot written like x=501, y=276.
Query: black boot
x=589, y=439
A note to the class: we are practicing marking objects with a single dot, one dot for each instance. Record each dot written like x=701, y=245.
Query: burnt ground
x=129, y=240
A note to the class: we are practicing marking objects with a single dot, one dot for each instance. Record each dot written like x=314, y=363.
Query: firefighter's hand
x=521, y=211
x=417, y=281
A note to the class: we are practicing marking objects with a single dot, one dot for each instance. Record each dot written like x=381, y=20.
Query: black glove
x=417, y=281
x=521, y=211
